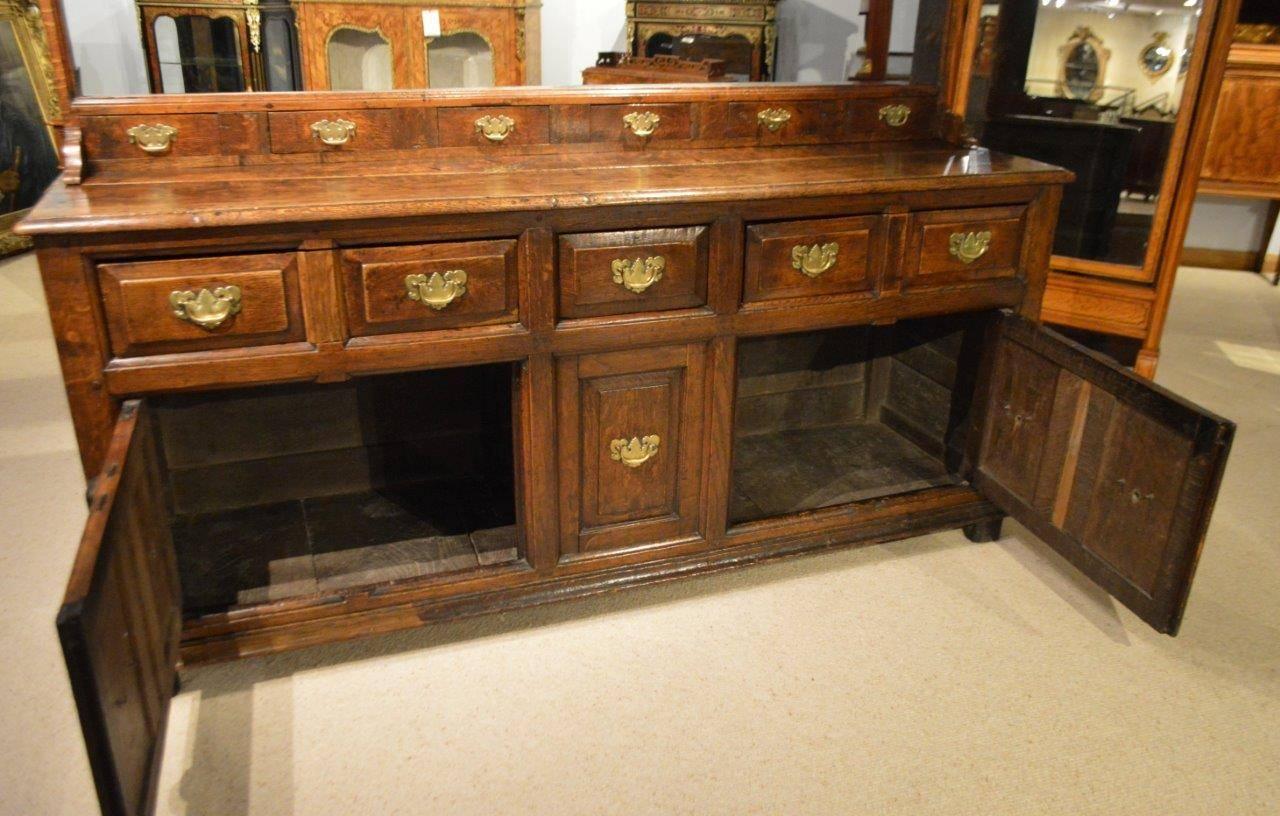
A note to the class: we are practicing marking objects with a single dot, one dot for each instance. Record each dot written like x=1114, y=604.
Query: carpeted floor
x=929, y=676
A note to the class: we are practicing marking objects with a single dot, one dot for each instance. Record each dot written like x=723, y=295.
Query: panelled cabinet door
x=121, y=619
x=1117, y=474
x=630, y=449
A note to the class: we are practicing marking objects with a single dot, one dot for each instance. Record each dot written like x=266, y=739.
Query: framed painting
x=28, y=151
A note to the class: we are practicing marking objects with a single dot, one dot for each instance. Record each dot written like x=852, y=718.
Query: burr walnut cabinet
x=341, y=366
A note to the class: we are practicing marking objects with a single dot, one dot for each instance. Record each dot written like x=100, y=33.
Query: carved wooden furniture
x=219, y=45
x=1243, y=155
x=1125, y=296
x=743, y=33
x=624, y=69
x=376, y=46
x=476, y=352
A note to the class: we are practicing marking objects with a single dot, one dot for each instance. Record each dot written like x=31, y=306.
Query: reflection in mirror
x=461, y=60
x=359, y=61
x=197, y=54
x=1082, y=66
x=1068, y=81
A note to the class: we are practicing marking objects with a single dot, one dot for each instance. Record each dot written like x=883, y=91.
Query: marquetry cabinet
x=498, y=350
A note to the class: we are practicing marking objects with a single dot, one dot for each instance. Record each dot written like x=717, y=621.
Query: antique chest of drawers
x=493, y=351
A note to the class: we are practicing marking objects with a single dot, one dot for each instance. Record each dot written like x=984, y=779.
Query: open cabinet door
x=1117, y=474
x=121, y=620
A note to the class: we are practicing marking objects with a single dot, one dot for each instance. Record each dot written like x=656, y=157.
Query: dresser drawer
x=631, y=447
x=952, y=246
x=491, y=127
x=198, y=304
x=608, y=273
x=430, y=286
x=805, y=258
x=347, y=131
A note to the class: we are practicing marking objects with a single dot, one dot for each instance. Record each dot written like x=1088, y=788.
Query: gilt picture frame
x=28, y=103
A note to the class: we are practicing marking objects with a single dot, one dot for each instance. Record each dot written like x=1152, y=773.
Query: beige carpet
x=930, y=676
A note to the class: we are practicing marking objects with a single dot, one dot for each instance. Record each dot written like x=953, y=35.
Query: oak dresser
x=340, y=367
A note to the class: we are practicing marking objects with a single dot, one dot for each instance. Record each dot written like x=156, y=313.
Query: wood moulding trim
x=486, y=97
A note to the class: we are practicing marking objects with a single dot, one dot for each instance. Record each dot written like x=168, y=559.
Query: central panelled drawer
x=430, y=286
x=796, y=259
x=610, y=273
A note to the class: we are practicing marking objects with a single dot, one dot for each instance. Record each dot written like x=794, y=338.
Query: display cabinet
x=1125, y=101
x=741, y=33
x=220, y=46
x=352, y=45
x=1243, y=155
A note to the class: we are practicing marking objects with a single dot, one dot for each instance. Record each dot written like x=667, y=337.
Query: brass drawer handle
x=642, y=123
x=495, y=128
x=895, y=115
x=773, y=118
x=436, y=291
x=153, y=138
x=814, y=260
x=207, y=309
x=638, y=275
x=970, y=246
x=634, y=452
x=334, y=133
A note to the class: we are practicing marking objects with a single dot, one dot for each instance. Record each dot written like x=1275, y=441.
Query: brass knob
x=970, y=246
x=642, y=123
x=634, y=452
x=334, y=133
x=495, y=128
x=813, y=260
x=208, y=308
x=639, y=274
x=153, y=138
x=895, y=115
x=773, y=118
x=436, y=291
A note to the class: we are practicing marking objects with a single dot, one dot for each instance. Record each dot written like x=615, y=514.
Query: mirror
x=130, y=47
x=1083, y=64
x=1157, y=57
x=1068, y=81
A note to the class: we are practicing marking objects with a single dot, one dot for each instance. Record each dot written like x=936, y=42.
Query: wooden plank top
x=116, y=200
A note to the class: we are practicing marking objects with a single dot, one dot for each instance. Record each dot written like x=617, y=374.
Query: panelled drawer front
x=198, y=304
x=607, y=273
x=492, y=127
x=430, y=286
x=953, y=246
x=631, y=445
x=347, y=131
x=806, y=258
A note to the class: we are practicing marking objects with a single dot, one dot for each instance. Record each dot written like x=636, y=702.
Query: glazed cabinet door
x=630, y=449
x=121, y=619
x=1117, y=474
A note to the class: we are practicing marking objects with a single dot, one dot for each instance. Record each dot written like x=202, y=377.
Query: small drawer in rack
x=833, y=256
x=954, y=246
x=336, y=131
x=609, y=273
x=495, y=126
x=201, y=304
x=430, y=286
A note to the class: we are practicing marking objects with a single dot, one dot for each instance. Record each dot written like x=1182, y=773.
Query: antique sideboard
x=342, y=365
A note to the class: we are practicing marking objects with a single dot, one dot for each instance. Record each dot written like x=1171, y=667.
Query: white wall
x=574, y=32
x=817, y=39
x=107, y=46
x=1229, y=223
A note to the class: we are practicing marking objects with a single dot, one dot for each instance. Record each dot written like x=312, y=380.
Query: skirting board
x=1243, y=260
